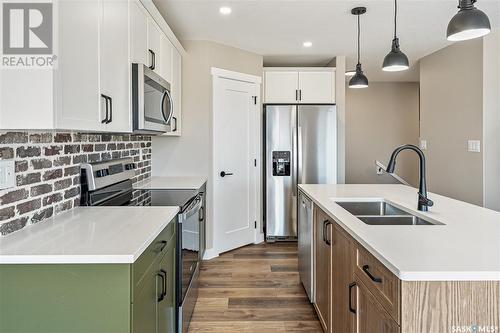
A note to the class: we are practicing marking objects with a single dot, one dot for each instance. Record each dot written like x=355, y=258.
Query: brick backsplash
x=47, y=171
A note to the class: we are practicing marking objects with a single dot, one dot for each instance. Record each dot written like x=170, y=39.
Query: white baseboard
x=259, y=239
x=210, y=254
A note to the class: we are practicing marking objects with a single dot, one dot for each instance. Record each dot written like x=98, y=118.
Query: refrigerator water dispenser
x=281, y=163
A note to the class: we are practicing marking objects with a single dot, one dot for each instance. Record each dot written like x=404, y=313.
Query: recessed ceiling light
x=307, y=44
x=225, y=10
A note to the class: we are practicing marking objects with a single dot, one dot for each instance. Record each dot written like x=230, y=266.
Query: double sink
x=382, y=213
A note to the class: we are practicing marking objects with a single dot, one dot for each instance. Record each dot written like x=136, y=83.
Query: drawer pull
x=351, y=285
x=162, y=295
x=163, y=245
x=373, y=278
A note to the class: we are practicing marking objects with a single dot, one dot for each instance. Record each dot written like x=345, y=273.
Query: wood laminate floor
x=255, y=288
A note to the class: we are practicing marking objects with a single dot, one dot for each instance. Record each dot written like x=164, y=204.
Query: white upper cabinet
x=154, y=46
x=317, y=87
x=281, y=86
x=78, y=66
x=299, y=85
x=176, y=89
x=115, y=67
x=90, y=88
x=165, y=60
x=138, y=33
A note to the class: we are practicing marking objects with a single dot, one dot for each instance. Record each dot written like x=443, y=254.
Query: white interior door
x=235, y=139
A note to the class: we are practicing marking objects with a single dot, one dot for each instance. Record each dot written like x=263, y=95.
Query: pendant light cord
x=359, y=36
x=395, y=17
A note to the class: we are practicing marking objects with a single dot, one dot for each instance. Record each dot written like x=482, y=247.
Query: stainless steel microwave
x=152, y=104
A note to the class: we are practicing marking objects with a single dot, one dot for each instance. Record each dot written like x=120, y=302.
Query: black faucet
x=423, y=201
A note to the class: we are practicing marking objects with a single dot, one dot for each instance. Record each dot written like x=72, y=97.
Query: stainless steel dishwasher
x=305, y=244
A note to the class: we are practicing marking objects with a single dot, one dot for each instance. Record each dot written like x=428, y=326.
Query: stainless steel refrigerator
x=301, y=148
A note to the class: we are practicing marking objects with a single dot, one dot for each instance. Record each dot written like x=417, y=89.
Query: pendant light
x=396, y=60
x=468, y=23
x=359, y=80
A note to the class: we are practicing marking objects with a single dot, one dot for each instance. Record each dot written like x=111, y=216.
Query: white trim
x=210, y=254
x=223, y=73
x=259, y=238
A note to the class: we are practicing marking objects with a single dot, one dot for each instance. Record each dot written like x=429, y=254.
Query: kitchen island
x=91, y=269
x=438, y=277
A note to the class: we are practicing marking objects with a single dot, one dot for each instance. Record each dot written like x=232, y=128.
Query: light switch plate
x=423, y=144
x=474, y=146
x=7, y=174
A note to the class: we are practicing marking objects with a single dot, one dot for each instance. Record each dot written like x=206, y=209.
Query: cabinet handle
x=351, y=285
x=300, y=95
x=326, y=223
x=297, y=94
x=162, y=295
x=153, y=59
x=110, y=110
x=163, y=245
x=164, y=282
x=366, y=269
x=175, y=127
x=106, y=98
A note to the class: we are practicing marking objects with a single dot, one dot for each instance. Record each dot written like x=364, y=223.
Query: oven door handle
x=190, y=212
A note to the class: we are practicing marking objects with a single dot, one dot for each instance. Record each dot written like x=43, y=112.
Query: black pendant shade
x=468, y=23
x=396, y=60
x=359, y=80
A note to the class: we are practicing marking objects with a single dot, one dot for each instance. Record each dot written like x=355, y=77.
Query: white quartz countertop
x=87, y=235
x=171, y=183
x=466, y=247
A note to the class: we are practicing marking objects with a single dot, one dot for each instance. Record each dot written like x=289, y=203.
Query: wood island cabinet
x=356, y=293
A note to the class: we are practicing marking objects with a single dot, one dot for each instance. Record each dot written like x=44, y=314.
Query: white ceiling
x=276, y=29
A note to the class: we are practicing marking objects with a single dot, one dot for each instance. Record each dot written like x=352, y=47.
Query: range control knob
x=130, y=166
x=102, y=173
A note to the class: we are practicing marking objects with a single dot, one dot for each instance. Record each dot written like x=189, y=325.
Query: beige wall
x=379, y=119
x=491, y=120
x=451, y=106
x=190, y=154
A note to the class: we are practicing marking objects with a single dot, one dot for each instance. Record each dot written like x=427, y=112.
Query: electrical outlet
x=474, y=146
x=7, y=176
x=423, y=144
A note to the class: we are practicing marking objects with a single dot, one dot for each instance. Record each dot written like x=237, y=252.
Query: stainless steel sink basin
x=394, y=220
x=371, y=208
x=382, y=213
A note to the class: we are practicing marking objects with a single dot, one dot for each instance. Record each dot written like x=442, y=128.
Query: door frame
x=217, y=74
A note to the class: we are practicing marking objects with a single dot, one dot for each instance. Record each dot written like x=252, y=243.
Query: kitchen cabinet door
x=166, y=307
x=145, y=305
x=165, y=58
x=115, y=66
x=176, y=90
x=317, y=87
x=154, y=46
x=281, y=86
x=342, y=276
x=323, y=264
x=138, y=33
x=370, y=315
x=78, y=66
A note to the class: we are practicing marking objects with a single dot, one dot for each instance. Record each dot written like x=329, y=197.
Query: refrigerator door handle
x=294, y=161
x=299, y=155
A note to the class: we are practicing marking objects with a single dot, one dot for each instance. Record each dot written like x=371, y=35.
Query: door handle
x=175, y=124
x=106, y=99
x=153, y=59
x=366, y=269
x=351, y=285
x=164, y=282
x=163, y=245
x=224, y=174
x=326, y=223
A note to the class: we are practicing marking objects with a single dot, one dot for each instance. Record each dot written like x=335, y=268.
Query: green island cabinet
x=93, y=298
